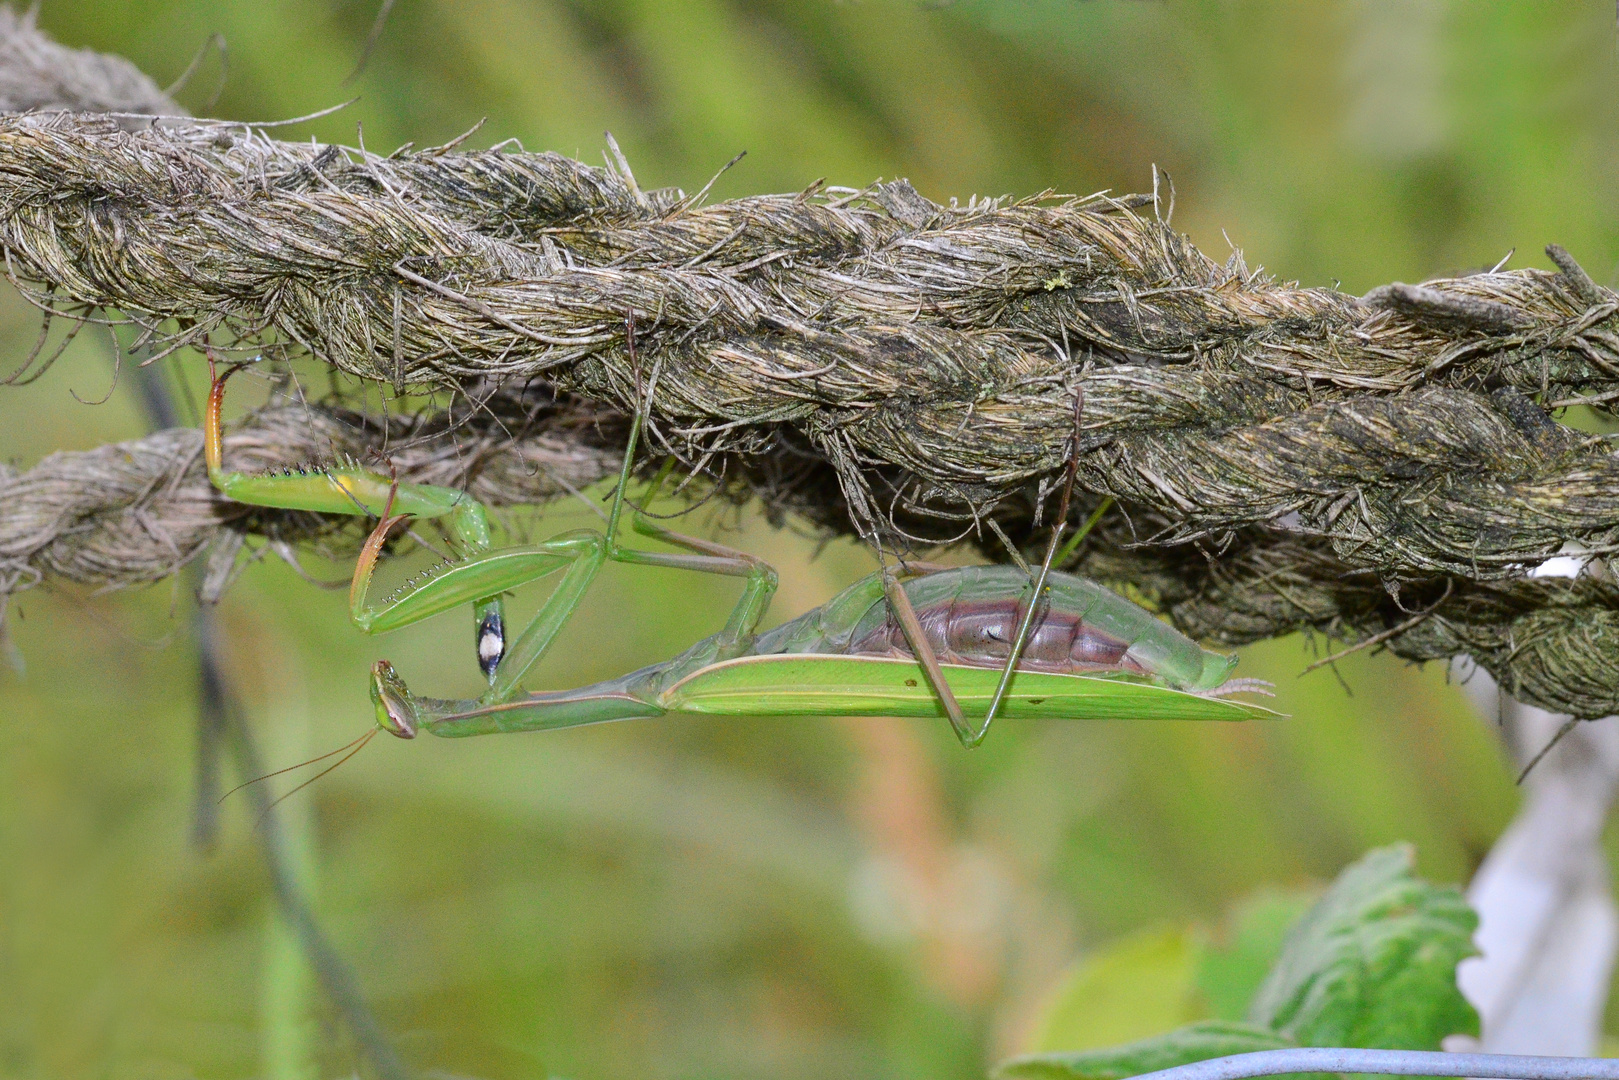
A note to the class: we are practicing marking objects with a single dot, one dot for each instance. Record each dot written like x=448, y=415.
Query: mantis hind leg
x=1038, y=583
x=899, y=603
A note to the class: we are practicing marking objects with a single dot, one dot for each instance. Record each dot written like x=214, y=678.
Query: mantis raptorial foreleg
x=352, y=489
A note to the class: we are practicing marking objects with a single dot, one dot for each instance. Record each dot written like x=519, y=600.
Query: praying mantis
x=968, y=643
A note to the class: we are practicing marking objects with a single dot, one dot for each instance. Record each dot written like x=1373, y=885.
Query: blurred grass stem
x=286, y=1030
x=220, y=724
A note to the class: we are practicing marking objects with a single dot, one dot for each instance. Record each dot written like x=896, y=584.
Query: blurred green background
x=806, y=898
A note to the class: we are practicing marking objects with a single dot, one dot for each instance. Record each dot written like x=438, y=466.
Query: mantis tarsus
x=967, y=643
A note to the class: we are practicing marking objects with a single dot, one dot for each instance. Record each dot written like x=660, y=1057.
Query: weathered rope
x=128, y=514
x=884, y=330
x=136, y=512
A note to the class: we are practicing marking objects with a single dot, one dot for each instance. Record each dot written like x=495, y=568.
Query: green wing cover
x=830, y=685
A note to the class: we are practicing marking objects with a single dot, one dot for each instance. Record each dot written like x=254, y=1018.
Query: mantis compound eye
x=396, y=708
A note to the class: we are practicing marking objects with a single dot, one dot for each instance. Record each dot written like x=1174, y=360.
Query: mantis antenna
x=358, y=745
x=352, y=748
x=290, y=768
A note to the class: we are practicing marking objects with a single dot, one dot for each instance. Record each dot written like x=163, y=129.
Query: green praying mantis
x=967, y=643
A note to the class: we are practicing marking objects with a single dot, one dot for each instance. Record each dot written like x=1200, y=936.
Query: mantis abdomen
x=971, y=614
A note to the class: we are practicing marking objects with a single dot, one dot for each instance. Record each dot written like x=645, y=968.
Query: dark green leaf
x=1373, y=964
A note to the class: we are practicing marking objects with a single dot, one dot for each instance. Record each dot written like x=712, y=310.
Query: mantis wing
x=813, y=684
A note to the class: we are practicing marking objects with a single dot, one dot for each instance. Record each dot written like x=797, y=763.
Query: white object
x=1548, y=925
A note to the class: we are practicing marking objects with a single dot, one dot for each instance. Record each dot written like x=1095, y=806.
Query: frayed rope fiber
x=886, y=365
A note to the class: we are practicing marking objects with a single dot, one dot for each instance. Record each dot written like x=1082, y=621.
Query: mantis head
x=396, y=706
x=1217, y=669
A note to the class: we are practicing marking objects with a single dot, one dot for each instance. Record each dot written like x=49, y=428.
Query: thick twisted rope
x=885, y=331
x=136, y=512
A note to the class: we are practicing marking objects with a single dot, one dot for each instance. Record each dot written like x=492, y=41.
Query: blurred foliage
x=781, y=898
x=1139, y=986
x=1371, y=964
x=1153, y=980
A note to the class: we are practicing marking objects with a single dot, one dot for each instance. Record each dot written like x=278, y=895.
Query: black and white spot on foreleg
x=491, y=642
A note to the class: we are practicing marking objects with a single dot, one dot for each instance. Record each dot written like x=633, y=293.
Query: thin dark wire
x=212, y=691
x=1391, y=1063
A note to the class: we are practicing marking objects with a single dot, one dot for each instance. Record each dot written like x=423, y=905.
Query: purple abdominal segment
x=970, y=616
x=979, y=633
